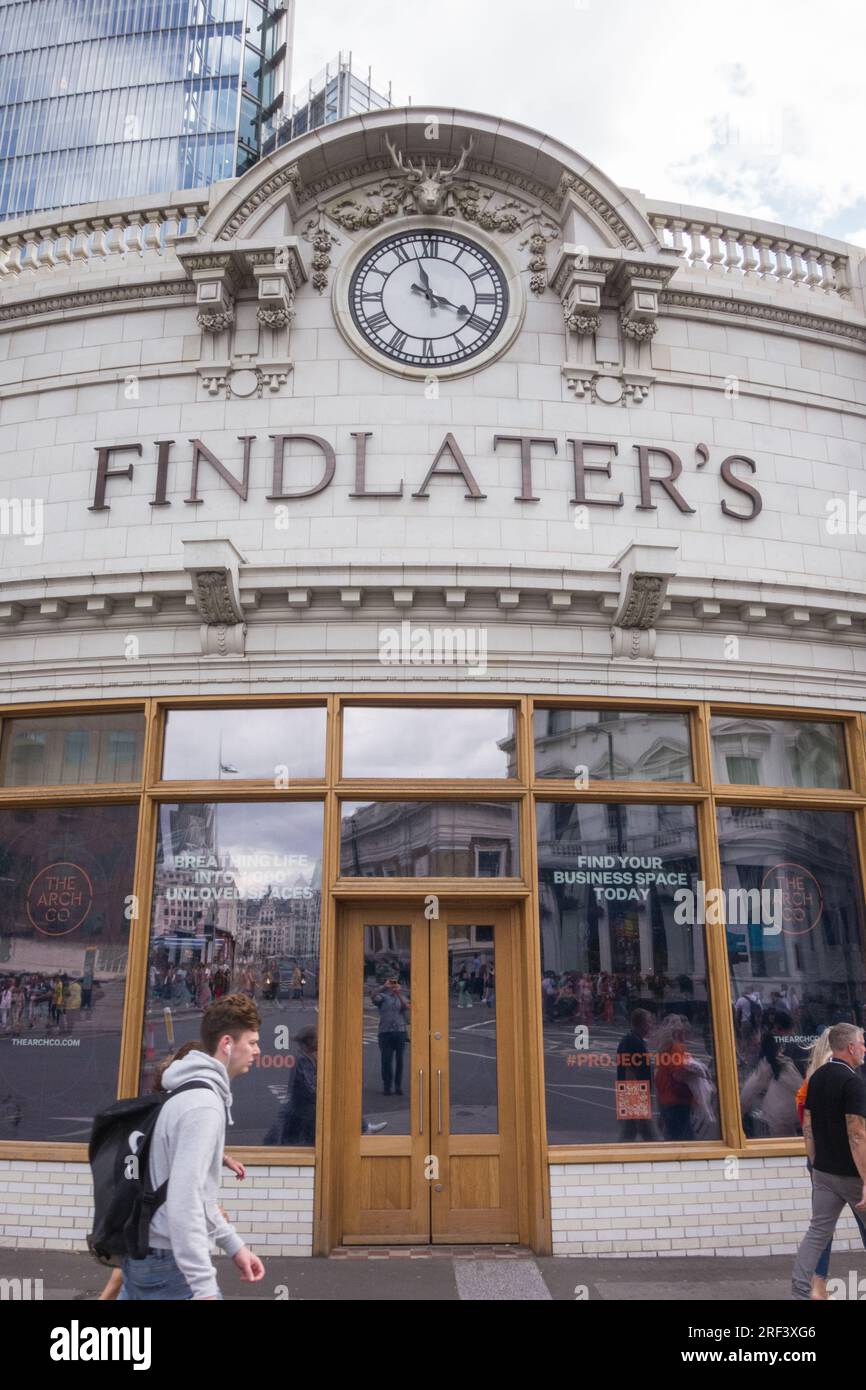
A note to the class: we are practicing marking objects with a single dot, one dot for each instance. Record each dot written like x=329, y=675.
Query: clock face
x=428, y=298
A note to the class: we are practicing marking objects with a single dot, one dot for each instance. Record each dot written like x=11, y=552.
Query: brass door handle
x=439, y=1107
x=420, y=1100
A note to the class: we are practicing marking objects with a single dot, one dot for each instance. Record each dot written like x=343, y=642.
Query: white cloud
x=756, y=112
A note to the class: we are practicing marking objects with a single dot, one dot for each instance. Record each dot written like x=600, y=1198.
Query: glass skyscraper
x=341, y=89
x=104, y=99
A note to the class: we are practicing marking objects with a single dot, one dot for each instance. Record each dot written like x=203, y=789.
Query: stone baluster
x=134, y=234
x=81, y=244
x=828, y=265
x=660, y=226
x=172, y=226
x=98, y=245
x=45, y=257
x=813, y=278
x=765, y=259
x=13, y=260
x=717, y=255
x=843, y=282
x=31, y=250
x=696, y=255
x=732, y=251
x=750, y=260
x=783, y=265
x=190, y=221
x=677, y=229
x=152, y=233
x=115, y=242
x=63, y=249
x=798, y=269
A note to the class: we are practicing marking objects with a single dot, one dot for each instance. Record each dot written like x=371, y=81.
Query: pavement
x=427, y=1275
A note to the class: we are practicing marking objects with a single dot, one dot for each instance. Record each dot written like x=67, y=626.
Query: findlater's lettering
x=659, y=471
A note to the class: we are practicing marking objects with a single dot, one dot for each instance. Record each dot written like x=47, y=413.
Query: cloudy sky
x=758, y=110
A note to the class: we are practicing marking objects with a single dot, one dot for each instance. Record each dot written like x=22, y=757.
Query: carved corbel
x=214, y=570
x=637, y=288
x=278, y=273
x=645, y=572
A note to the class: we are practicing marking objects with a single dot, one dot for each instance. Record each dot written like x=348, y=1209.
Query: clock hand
x=425, y=279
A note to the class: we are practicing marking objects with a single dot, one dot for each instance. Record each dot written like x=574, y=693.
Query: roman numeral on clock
x=427, y=352
x=402, y=254
x=377, y=321
x=430, y=246
x=398, y=342
x=479, y=274
x=476, y=322
x=485, y=299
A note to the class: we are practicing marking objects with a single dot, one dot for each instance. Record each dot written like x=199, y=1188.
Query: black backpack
x=123, y=1199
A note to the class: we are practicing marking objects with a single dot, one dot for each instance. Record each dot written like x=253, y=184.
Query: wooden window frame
x=526, y=789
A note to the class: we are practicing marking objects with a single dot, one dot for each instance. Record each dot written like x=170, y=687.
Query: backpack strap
x=153, y=1197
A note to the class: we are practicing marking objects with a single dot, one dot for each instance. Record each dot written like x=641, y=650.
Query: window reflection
x=778, y=752
x=793, y=908
x=628, y=1046
x=418, y=839
x=605, y=745
x=66, y=875
x=72, y=749
x=237, y=907
x=428, y=742
x=276, y=745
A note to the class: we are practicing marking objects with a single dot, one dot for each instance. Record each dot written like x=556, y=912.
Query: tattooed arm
x=808, y=1136
x=856, y=1125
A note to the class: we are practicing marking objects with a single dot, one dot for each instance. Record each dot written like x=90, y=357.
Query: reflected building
x=111, y=101
x=342, y=88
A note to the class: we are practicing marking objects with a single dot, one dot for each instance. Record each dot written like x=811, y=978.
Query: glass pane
x=778, y=752
x=386, y=1076
x=237, y=907
x=793, y=906
x=65, y=877
x=70, y=749
x=472, y=1038
x=221, y=744
x=628, y=1046
x=424, y=839
x=428, y=742
x=612, y=745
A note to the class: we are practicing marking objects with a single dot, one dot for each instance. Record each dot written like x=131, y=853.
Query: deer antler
x=464, y=155
x=400, y=164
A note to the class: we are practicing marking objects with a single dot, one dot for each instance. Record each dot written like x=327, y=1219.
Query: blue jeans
x=155, y=1277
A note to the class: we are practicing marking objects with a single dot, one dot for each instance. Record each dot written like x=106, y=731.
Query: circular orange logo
x=802, y=900
x=59, y=898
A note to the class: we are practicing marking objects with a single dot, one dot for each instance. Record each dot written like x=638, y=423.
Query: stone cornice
x=767, y=313
x=84, y=299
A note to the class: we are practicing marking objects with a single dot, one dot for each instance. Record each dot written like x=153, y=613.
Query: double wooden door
x=426, y=1058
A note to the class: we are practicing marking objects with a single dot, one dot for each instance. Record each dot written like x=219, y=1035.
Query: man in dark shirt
x=834, y=1128
x=633, y=1064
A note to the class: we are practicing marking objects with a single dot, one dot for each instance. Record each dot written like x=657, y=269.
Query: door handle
x=420, y=1100
x=439, y=1106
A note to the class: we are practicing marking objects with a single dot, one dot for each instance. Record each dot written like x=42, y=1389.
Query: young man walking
x=834, y=1128
x=187, y=1149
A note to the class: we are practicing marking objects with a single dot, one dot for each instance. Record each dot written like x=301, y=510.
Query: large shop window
x=794, y=915
x=778, y=752
x=628, y=1045
x=272, y=745
x=429, y=839
x=72, y=749
x=428, y=742
x=66, y=880
x=607, y=745
x=237, y=907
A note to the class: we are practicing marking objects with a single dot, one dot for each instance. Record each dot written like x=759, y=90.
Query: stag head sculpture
x=428, y=185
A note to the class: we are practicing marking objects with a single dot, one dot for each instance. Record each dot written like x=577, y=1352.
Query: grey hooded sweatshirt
x=187, y=1149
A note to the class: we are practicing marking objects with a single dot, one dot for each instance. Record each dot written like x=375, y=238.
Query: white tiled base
x=48, y=1206
x=746, y=1206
